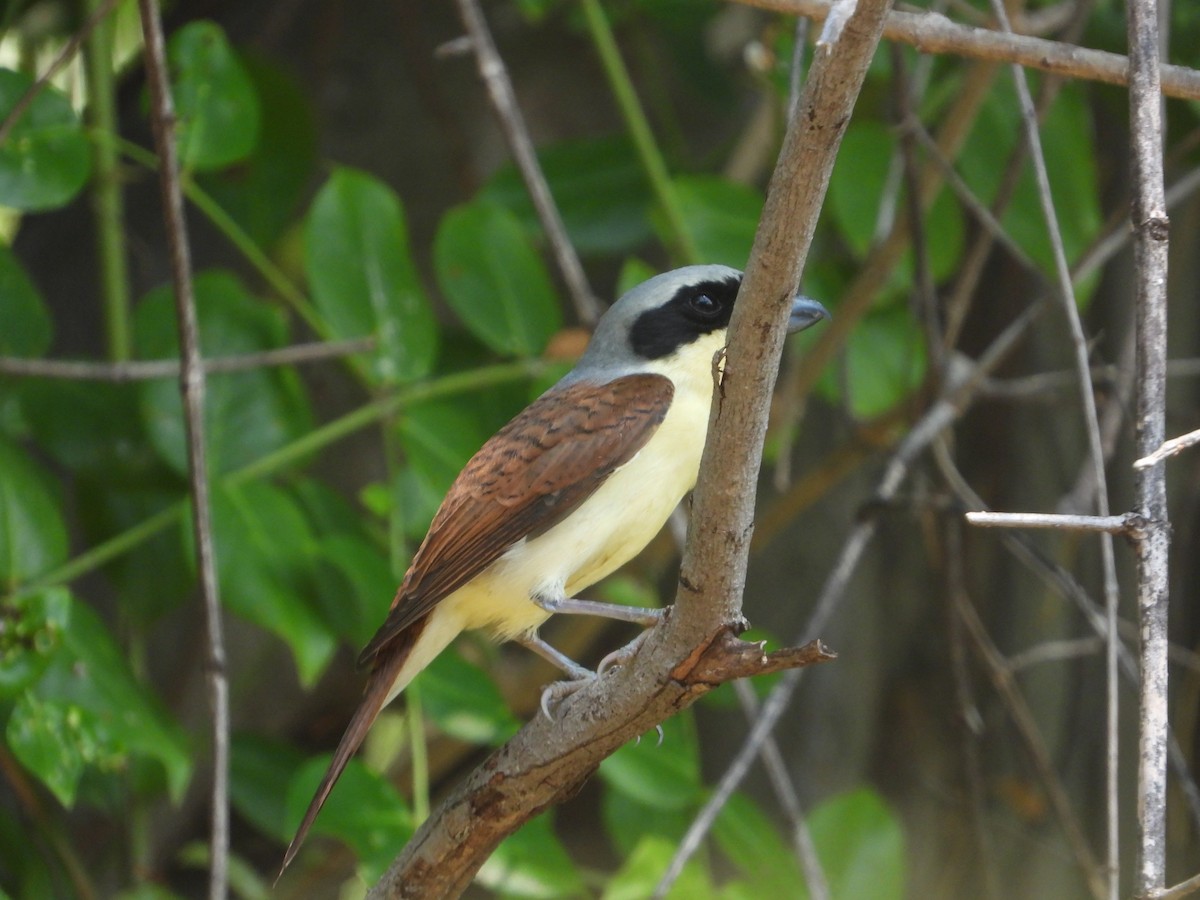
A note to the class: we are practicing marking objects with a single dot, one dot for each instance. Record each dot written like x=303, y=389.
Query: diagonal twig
x=69, y=49
x=1167, y=449
x=192, y=387
x=1066, y=296
x=508, y=113
x=954, y=400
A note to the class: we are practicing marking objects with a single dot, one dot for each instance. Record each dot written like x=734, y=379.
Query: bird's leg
x=639, y=615
x=555, y=693
x=556, y=658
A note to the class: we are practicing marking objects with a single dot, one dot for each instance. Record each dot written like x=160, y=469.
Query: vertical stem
x=107, y=202
x=192, y=387
x=1150, y=228
x=639, y=129
x=512, y=123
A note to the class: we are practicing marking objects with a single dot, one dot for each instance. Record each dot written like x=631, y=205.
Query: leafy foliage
x=312, y=538
x=45, y=161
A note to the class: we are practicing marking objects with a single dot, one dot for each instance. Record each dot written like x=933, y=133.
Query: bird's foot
x=622, y=655
x=555, y=693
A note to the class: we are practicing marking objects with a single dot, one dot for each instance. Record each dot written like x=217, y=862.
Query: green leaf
x=633, y=272
x=364, y=590
x=33, y=538
x=32, y=633
x=45, y=160
x=720, y=215
x=90, y=428
x=246, y=414
x=598, y=186
x=754, y=845
x=27, y=327
x=356, y=255
x=88, y=702
x=858, y=181
x=263, y=192
x=531, y=863
x=245, y=882
x=363, y=810
x=55, y=743
x=265, y=558
x=463, y=701
x=627, y=820
x=494, y=280
x=438, y=439
x=665, y=776
x=860, y=845
x=155, y=576
x=645, y=867
x=885, y=363
x=260, y=771
x=215, y=102
x=1069, y=143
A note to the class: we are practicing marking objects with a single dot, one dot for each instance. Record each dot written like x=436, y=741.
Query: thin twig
x=1066, y=295
x=934, y=33
x=512, y=123
x=1183, y=889
x=69, y=49
x=785, y=791
x=192, y=388
x=1054, y=651
x=954, y=400
x=1026, y=724
x=1168, y=449
x=1124, y=524
x=147, y=370
x=1148, y=213
x=977, y=208
x=1063, y=582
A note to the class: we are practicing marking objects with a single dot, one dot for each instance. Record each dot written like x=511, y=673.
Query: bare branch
x=932, y=424
x=785, y=791
x=147, y=370
x=1066, y=296
x=934, y=33
x=1023, y=718
x=1168, y=449
x=192, y=387
x=1183, y=889
x=547, y=762
x=1150, y=226
x=1124, y=524
x=508, y=113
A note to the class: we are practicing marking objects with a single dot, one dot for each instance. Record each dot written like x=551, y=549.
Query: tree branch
x=508, y=113
x=934, y=33
x=1150, y=227
x=191, y=382
x=694, y=649
x=147, y=370
x=548, y=762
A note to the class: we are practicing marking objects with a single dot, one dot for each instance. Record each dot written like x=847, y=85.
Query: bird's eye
x=705, y=305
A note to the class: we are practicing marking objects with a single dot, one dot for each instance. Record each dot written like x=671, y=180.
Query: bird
x=572, y=488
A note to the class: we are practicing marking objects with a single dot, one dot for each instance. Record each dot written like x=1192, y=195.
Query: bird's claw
x=558, y=691
x=622, y=655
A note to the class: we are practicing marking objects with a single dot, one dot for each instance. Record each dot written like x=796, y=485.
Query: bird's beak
x=805, y=312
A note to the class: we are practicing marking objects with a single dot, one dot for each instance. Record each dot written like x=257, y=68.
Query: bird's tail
x=378, y=691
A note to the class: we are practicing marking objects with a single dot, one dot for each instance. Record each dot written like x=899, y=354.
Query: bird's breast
x=607, y=530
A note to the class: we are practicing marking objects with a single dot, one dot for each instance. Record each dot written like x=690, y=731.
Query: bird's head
x=675, y=321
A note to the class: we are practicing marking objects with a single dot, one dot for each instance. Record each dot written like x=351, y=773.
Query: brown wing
x=523, y=481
